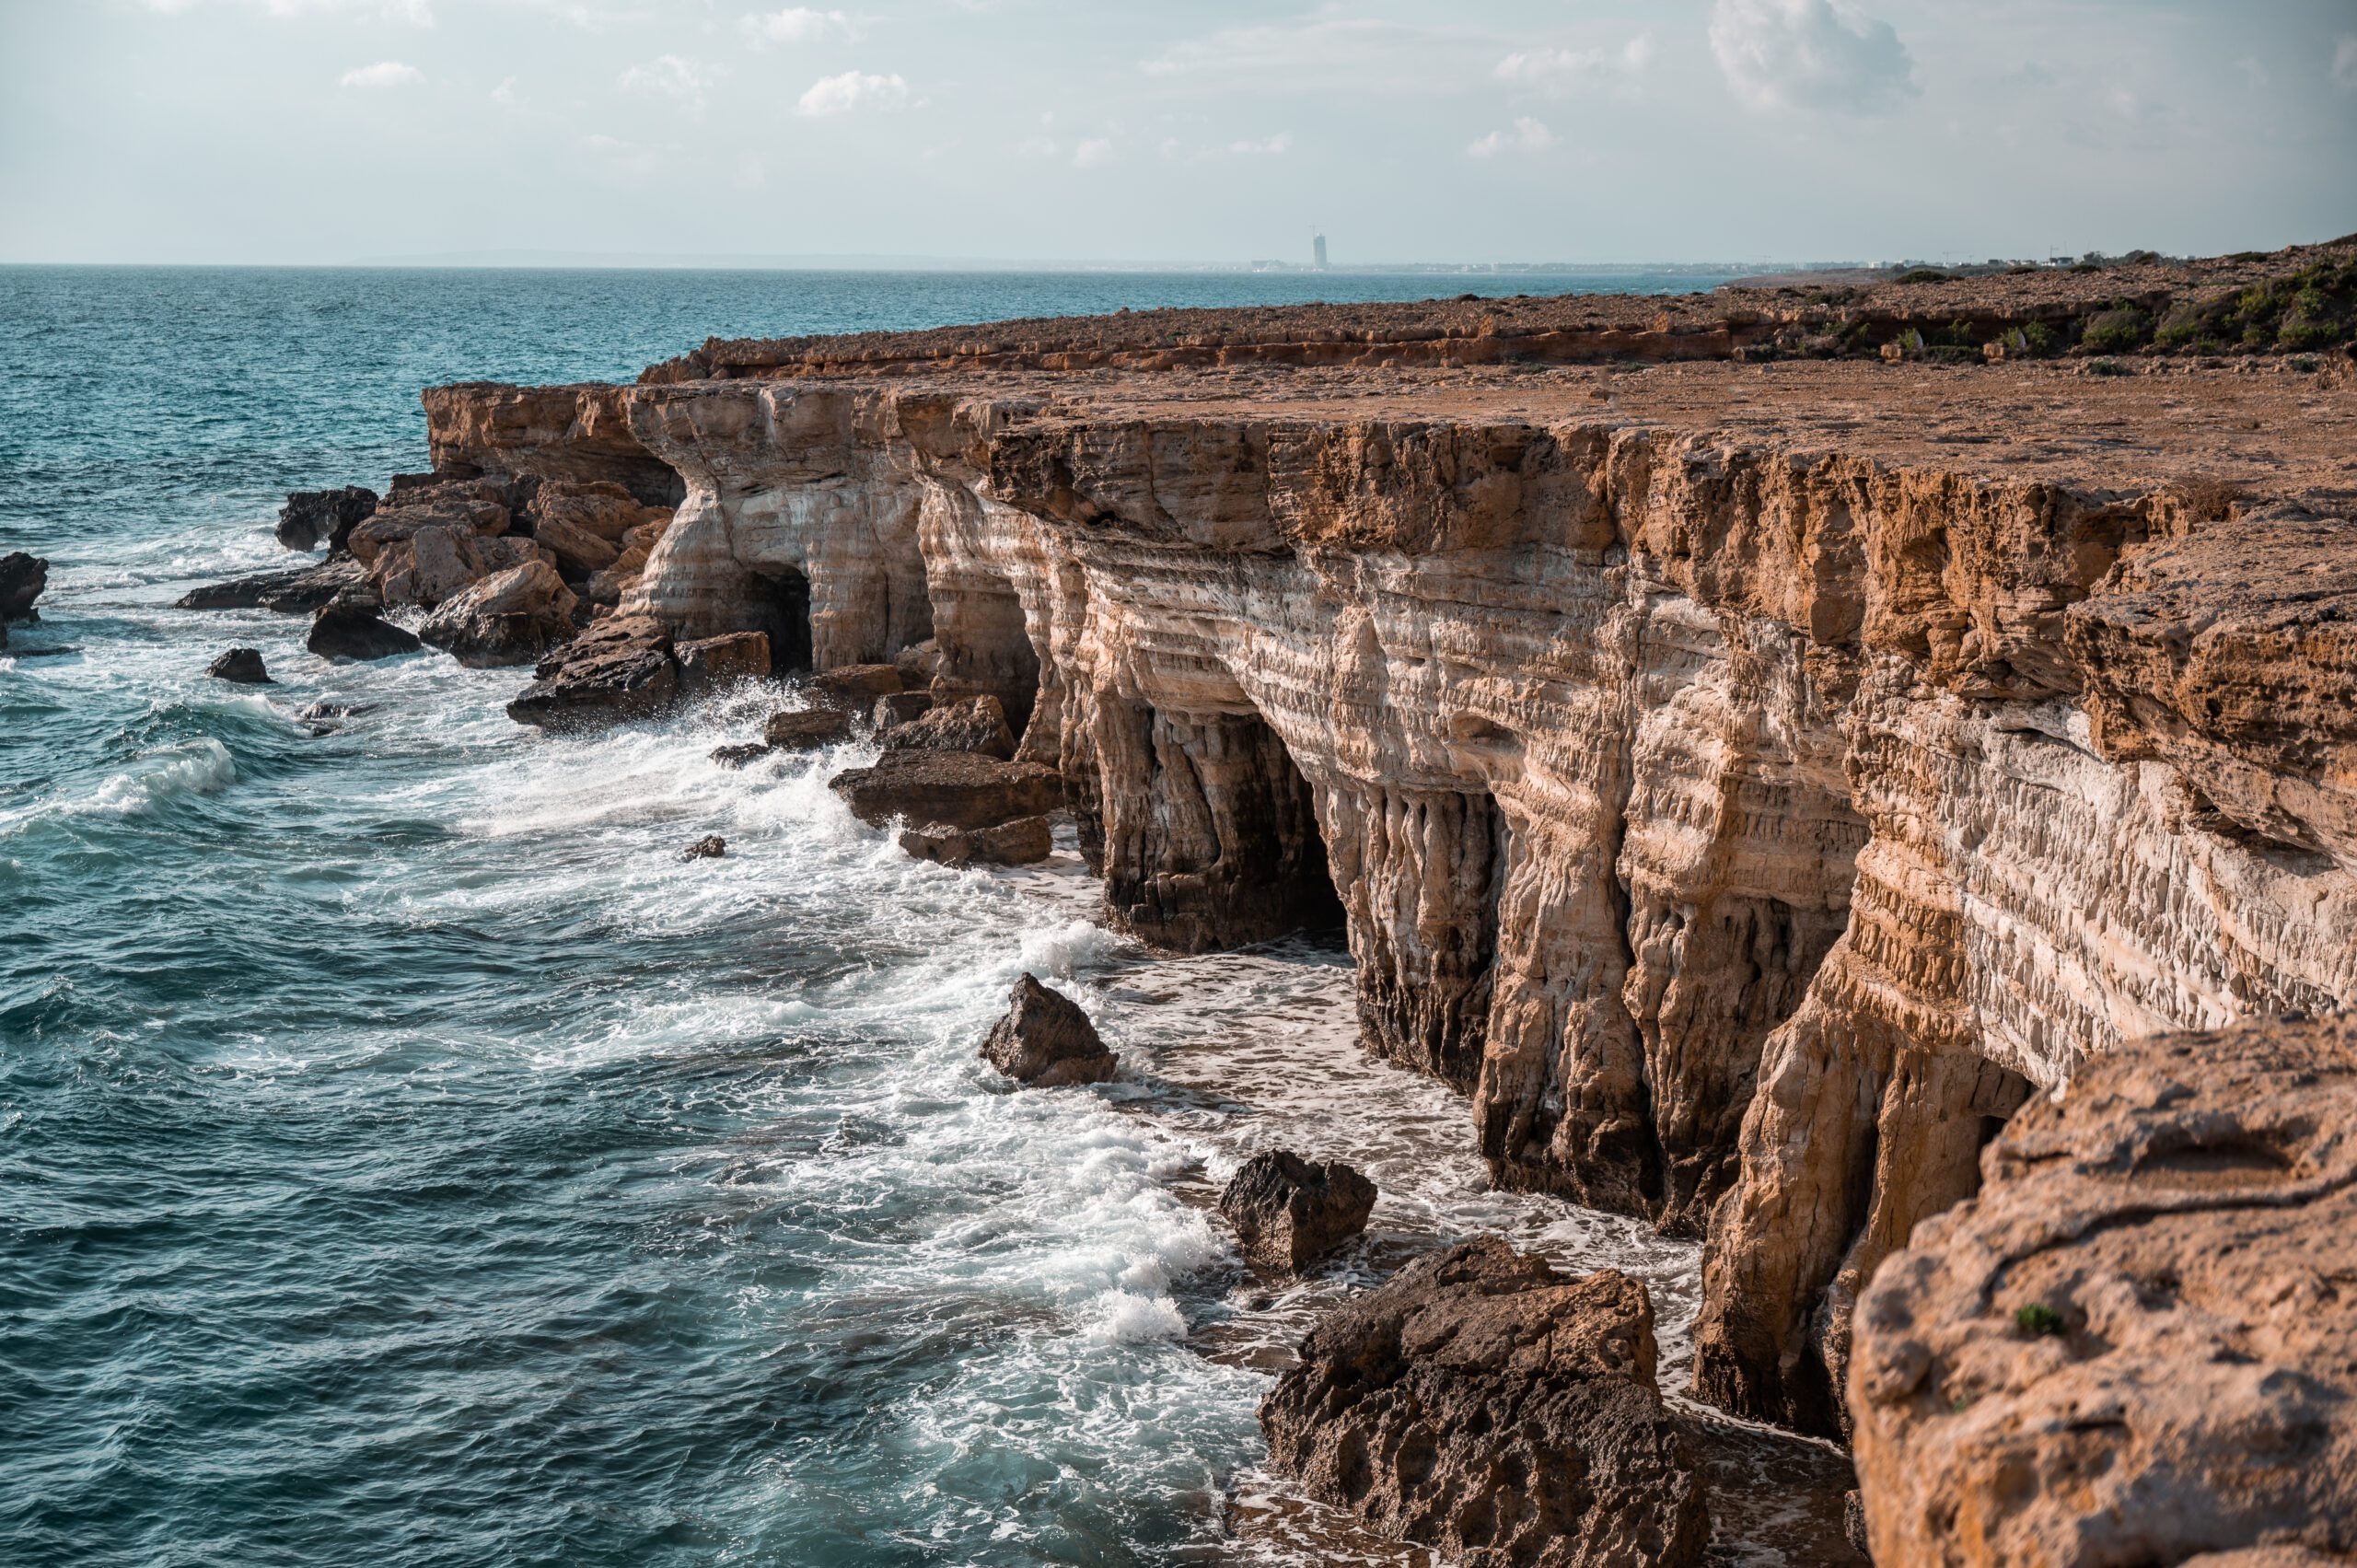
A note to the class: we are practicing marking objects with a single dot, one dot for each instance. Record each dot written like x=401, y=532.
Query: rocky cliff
x=1749, y=783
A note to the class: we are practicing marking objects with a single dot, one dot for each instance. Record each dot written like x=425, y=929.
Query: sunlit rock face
x=1747, y=829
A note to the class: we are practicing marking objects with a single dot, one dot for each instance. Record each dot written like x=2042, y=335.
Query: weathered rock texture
x=1748, y=782
x=2139, y=1342
x=1480, y=1403
x=1288, y=1210
x=1046, y=1040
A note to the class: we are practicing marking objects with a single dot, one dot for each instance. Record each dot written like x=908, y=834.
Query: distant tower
x=1318, y=245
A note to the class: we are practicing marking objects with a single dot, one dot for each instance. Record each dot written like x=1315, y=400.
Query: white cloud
x=1808, y=54
x=417, y=13
x=2344, y=63
x=1268, y=146
x=1528, y=135
x=672, y=76
x=1325, y=46
x=1094, y=152
x=383, y=74
x=1560, y=70
x=505, y=94
x=797, y=24
x=840, y=95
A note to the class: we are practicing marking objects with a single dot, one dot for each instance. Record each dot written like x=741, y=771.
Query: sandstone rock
x=956, y=789
x=296, y=592
x=1022, y=842
x=620, y=668
x=243, y=666
x=710, y=847
x=430, y=565
x=464, y=505
x=310, y=516
x=1046, y=1040
x=917, y=663
x=900, y=707
x=22, y=578
x=807, y=729
x=741, y=756
x=513, y=617
x=347, y=629
x=1483, y=1404
x=967, y=724
x=855, y=685
x=2138, y=1343
x=1288, y=1211
x=723, y=661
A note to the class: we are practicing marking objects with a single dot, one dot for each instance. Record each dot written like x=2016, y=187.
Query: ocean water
x=405, y=1159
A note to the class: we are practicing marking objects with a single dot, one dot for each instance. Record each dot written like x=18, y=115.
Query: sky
x=1188, y=131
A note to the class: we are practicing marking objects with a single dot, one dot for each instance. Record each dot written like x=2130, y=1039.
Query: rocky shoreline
x=1754, y=785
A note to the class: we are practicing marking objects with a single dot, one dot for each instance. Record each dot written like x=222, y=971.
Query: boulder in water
x=720, y=661
x=967, y=724
x=806, y=730
x=855, y=685
x=1019, y=843
x=354, y=628
x=310, y=516
x=22, y=578
x=620, y=668
x=738, y=755
x=712, y=847
x=1480, y=1404
x=959, y=789
x=1288, y=1211
x=243, y=666
x=1046, y=1040
x=512, y=616
x=296, y=592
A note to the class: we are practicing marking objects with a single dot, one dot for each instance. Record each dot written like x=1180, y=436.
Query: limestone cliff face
x=1748, y=828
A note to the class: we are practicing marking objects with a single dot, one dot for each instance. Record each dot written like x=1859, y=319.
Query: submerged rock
x=1019, y=843
x=296, y=592
x=1046, y=1040
x=720, y=661
x=349, y=629
x=1288, y=1211
x=712, y=847
x=2139, y=1342
x=738, y=755
x=959, y=789
x=513, y=617
x=620, y=668
x=969, y=724
x=22, y=579
x=310, y=516
x=242, y=666
x=1480, y=1404
x=806, y=730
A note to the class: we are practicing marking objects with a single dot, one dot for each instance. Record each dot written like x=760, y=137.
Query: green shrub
x=1921, y=274
x=2040, y=340
x=2306, y=364
x=2107, y=368
x=2116, y=328
x=2038, y=1321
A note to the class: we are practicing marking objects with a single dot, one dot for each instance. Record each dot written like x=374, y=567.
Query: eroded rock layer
x=1749, y=819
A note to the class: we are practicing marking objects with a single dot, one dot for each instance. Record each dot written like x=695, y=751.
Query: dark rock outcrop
x=242, y=666
x=855, y=686
x=1480, y=1404
x=710, y=662
x=1046, y=1040
x=620, y=668
x=2139, y=1342
x=1020, y=843
x=1288, y=1211
x=296, y=592
x=969, y=724
x=806, y=730
x=22, y=579
x=739, y=756
x=958, y=789
x=712, y=847
x=310, y=516
x=512, y=616
x=900, y=707
x=354, y=629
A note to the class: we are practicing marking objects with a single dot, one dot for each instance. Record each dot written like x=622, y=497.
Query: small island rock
x=1288, y=1210
x=1046, y=1040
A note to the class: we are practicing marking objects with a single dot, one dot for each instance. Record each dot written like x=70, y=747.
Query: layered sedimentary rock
x=1748, y=783
x=2139, y=1342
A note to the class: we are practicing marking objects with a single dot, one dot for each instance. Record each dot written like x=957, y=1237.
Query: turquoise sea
x=406, y=1159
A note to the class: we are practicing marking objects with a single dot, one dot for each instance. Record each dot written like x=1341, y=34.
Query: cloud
x=505, y=94
x=1528, y=135
x=2344, y=63
x=671, y=76
x=797, y=24
x=840, y=95
x=1560, y=70
x=1178, y=151
x=1094, y=152
x=417, y=13
x=1324, y=47
x=1268, y=146
x=1810, y=54
x=383, y=74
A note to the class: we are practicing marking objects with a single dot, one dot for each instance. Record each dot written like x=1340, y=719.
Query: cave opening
x=781, y=603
